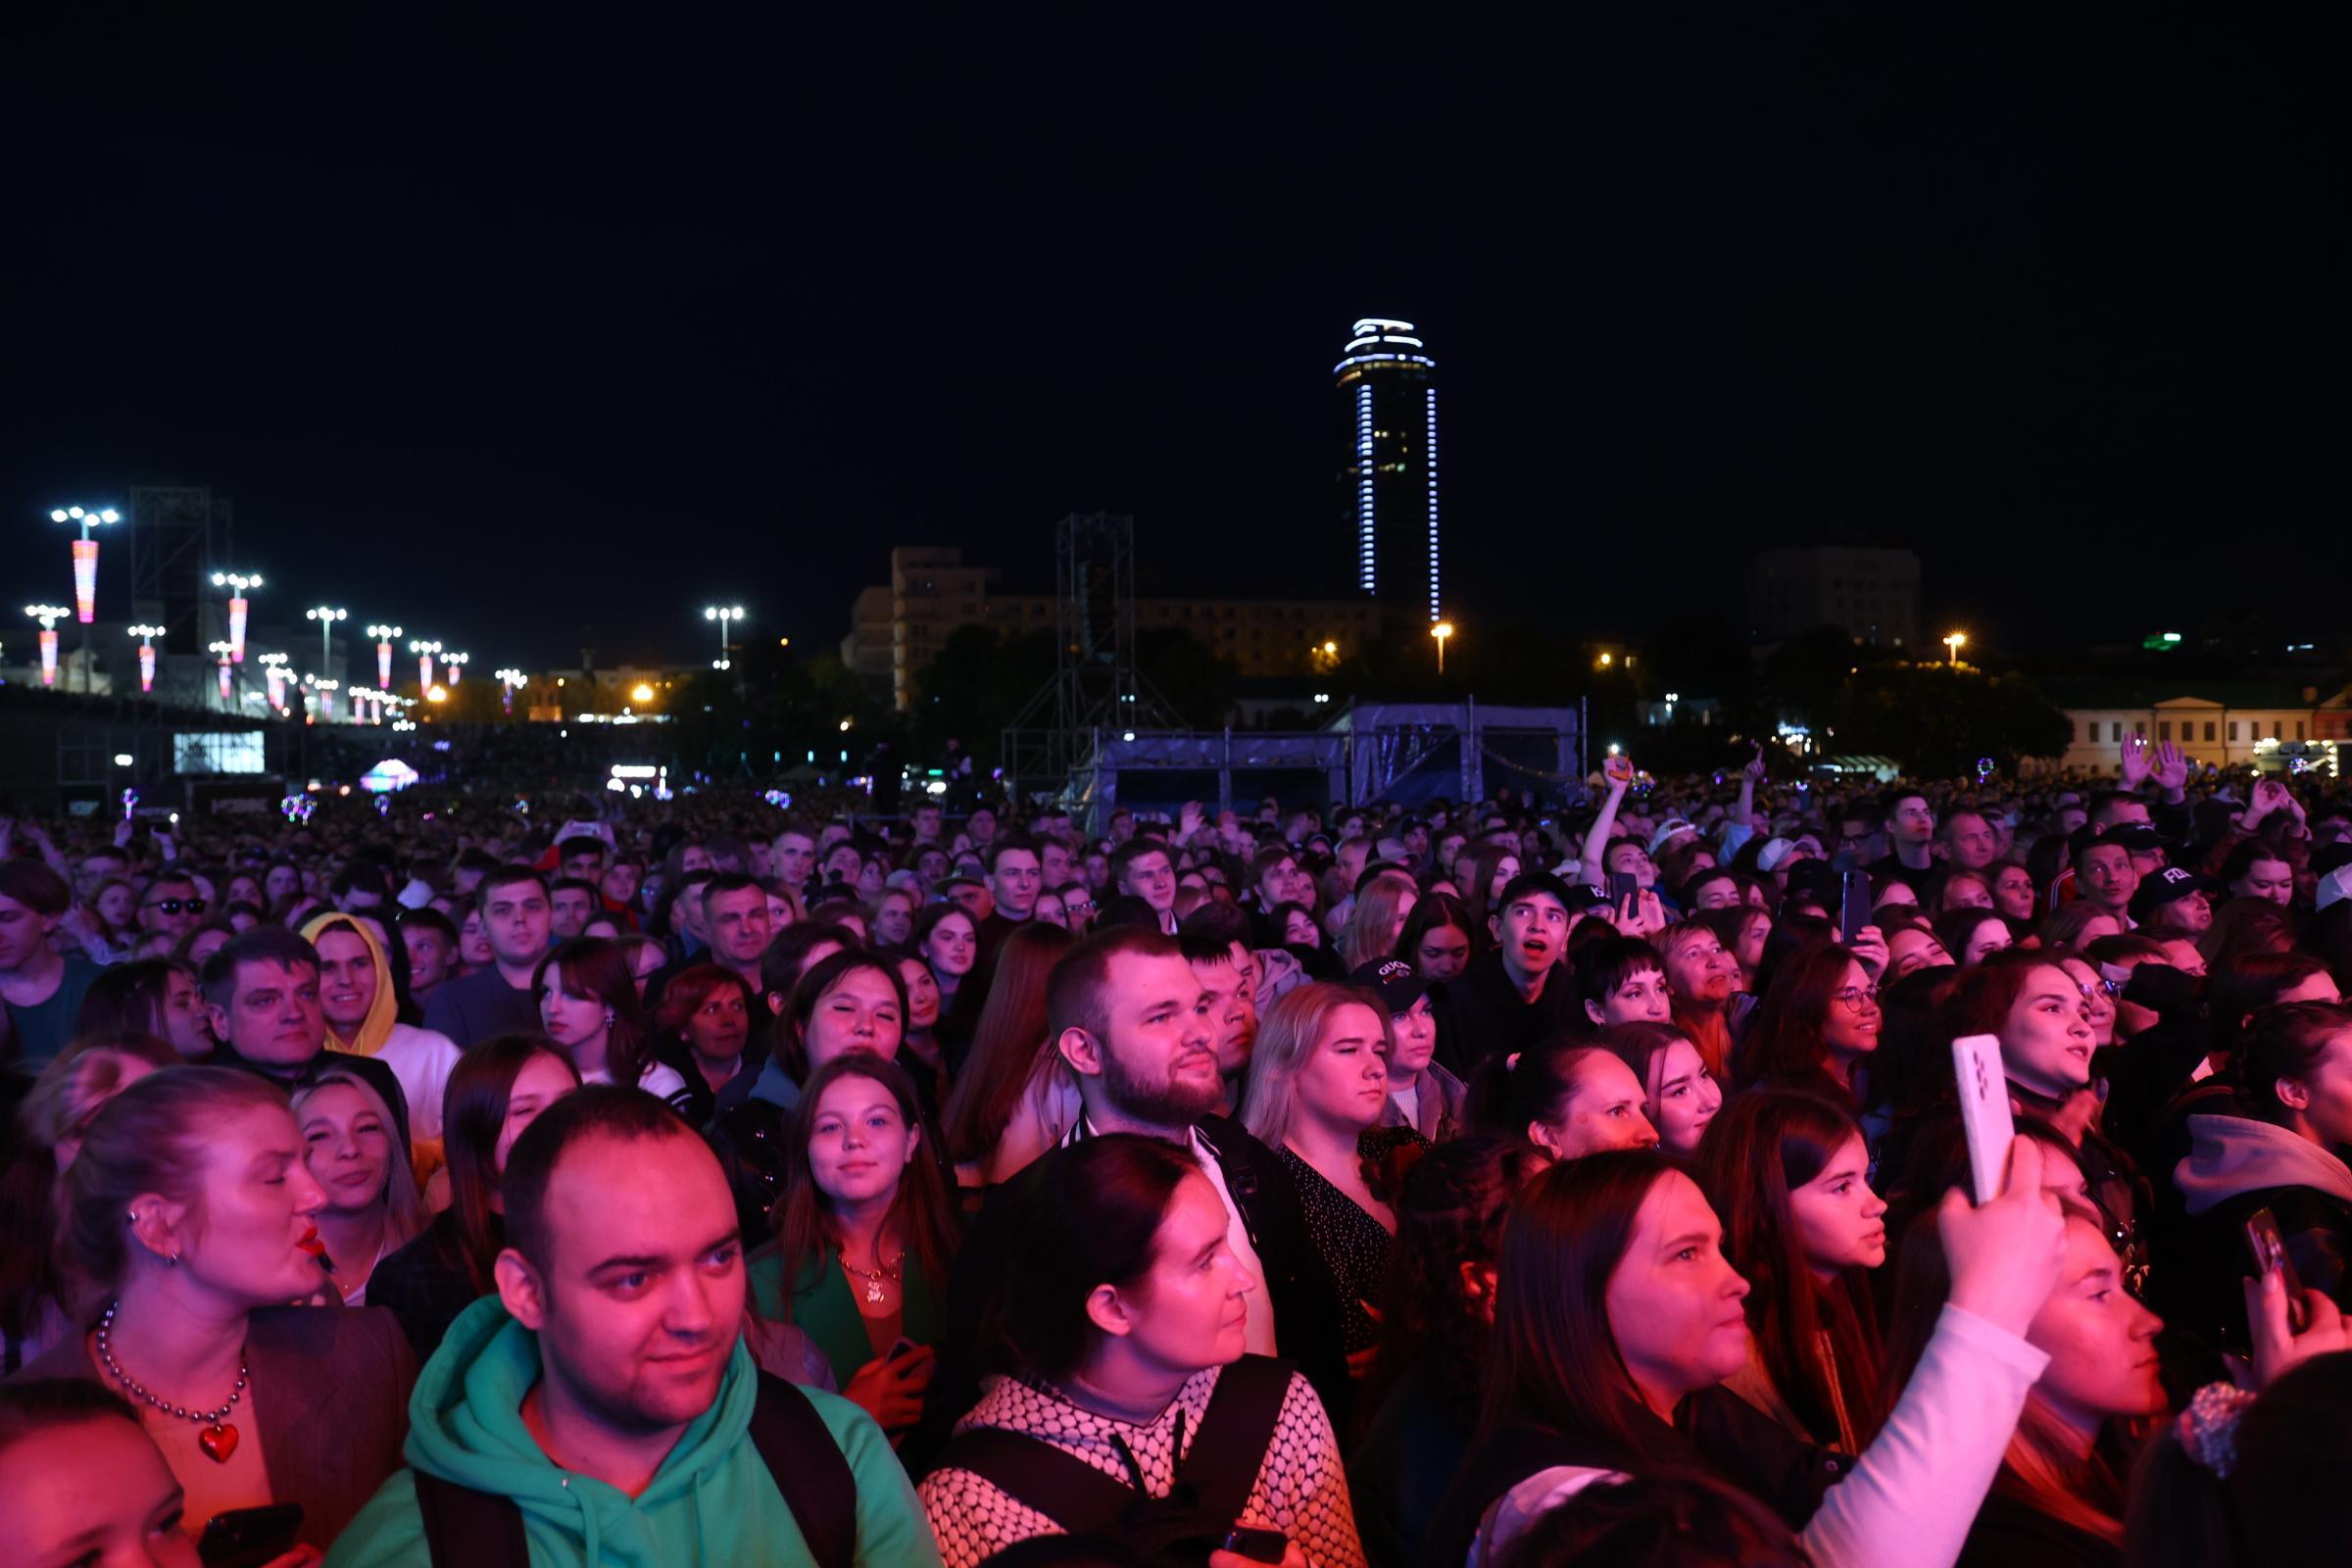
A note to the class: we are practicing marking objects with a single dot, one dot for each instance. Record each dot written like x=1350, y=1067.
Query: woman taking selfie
x=863, y=1239
x=1121, y=1332
x=1618, y=1319
x=353, y=1151
x=500, y=1088
x=190, y=1211
x=2058, y=1499
x=1805, y=1229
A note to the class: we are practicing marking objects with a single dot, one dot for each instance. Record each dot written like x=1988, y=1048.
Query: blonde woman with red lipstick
x=193, y=1215
x=351, y=1146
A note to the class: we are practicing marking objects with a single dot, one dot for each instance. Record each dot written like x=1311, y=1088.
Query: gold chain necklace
x=875, y=1276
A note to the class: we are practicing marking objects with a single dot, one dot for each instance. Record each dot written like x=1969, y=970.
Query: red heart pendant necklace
x=218, y=1439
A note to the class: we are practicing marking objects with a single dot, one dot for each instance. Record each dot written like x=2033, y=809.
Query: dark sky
x=587, y=316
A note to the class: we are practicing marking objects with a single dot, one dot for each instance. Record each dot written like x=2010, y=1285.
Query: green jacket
x=823, y=1308
x=711, y=1502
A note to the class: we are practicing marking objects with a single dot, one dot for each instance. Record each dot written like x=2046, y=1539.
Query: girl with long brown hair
x=499, y=1088
x=1014, y=1097
x=588, y=1002
x=1787, y=1173
x=864, y=1237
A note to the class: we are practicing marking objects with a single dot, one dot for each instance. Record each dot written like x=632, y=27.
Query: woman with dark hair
x=850, y=1001
x=1743, y=929
x=2251, y=1487
x=148, y=996
x=499, y=1088
x=1817, y=1029
x=1617, y=1319
x=588, y=1004
x=1621, y=980
x=1969, y=934
x=865, y=1238
x=1569, y=1098
x=1803, y=1228
x=1489, y=869
x=2012, y=890
x=1679, y=1096
x=2058, y=1498
x=949, y=940
x=703, y=1029
x=2247, y=925
x=1435, y=1307
x=2039, y=1015
x=190, y=1211
x=1438, y=937
x=1121, y=1331
x=2255, y=869
x=2277, y=1148
x=1014, y=1097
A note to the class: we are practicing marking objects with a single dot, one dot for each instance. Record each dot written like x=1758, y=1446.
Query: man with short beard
x=1130, y=1021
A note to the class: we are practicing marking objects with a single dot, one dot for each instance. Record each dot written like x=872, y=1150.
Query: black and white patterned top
x=1355, y=1246
x=1300, y=1489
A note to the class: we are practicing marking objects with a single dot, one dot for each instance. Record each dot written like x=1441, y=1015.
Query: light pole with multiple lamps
x=383, y=636
x=237, y=582
x=424, y=651
x=327, y=615
x=1955, y=642
x=48, y=615
x=85, y=574
x=146, y=636
x=724, y=616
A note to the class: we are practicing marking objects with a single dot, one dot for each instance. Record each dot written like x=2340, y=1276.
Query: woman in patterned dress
x=1121, y=1320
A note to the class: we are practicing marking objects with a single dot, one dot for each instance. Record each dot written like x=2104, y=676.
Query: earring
x=607, y=1017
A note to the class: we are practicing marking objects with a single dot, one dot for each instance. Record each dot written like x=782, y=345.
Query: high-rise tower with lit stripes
x=1388, y=397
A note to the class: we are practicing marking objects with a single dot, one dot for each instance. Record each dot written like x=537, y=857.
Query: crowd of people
x=1491, y=1184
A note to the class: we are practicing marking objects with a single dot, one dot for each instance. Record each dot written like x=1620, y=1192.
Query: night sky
x=586, y=317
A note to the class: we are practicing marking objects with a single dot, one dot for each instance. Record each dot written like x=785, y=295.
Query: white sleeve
x=1915, y=1490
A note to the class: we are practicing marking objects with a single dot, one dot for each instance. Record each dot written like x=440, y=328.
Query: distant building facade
x=2220, y=723
x=932, y=593
x=1873, y=594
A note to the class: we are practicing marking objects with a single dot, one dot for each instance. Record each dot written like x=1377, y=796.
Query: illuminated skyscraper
x=1389, y=396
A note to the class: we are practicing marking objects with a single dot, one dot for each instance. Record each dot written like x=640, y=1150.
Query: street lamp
x=383, y=636
x=723, y=616
x=326, y=617
x=456, y=664
x=236, y=582
x=146, y=636
x=225, y=674
x=508, y=682
x=85, y=573
x=48, y=615
x=1442, y=631
x=273, y=668
x=1954, y=642
x=424, y=653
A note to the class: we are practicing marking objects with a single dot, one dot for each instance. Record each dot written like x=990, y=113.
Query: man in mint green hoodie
x=606, y=1391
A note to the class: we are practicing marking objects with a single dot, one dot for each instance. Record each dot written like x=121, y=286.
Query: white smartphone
x=1984, y=1111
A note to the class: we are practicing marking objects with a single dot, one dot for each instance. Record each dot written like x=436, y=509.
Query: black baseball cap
x=1397, y=982
x=2163, y=888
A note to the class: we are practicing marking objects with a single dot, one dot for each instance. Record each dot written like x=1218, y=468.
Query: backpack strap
x=808, y=1469
x=1236, y=1431
x=469, y=1528
x=1041, y=1477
